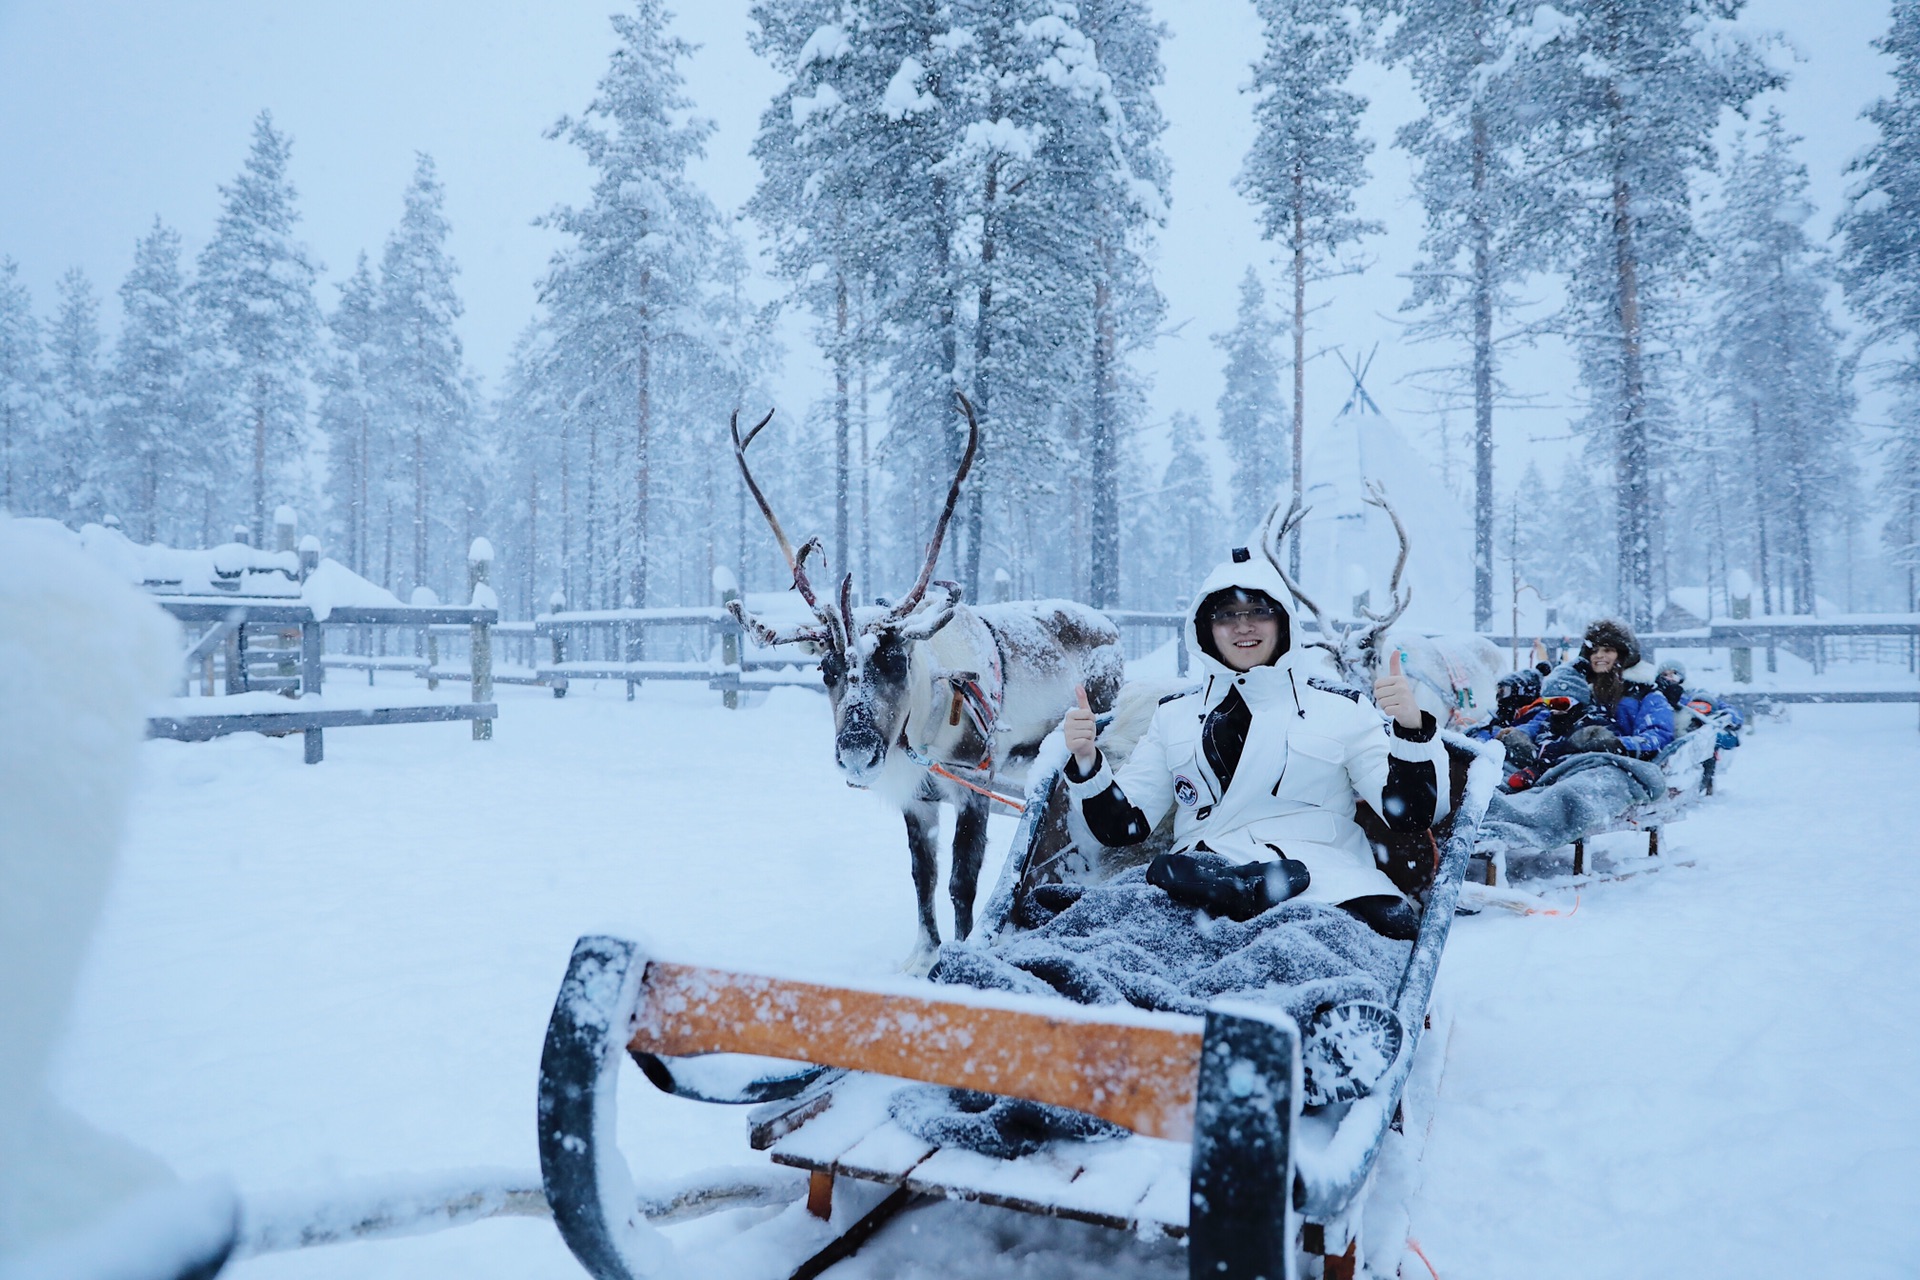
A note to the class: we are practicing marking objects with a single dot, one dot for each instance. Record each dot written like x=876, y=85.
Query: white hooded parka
x=1311, y=751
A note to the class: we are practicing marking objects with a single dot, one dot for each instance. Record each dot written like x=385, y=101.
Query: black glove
x=1219, y=888
x=1594, y=737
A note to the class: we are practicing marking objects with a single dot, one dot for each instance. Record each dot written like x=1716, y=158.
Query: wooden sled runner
x=1221, y=1150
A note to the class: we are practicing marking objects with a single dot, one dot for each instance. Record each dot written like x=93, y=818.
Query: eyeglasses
x=1246, y=613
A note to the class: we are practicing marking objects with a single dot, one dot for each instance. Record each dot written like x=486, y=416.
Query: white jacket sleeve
x=1124, y=809
x=1402, y=773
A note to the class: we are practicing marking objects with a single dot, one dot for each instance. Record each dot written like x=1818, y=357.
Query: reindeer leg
x=969, y=850
x=923, y=843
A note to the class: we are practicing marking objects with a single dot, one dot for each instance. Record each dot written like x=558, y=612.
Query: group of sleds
x=1199, y=1000
x=1142, y=1030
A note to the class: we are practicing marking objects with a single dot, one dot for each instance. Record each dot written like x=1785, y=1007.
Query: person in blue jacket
x=1634, y=719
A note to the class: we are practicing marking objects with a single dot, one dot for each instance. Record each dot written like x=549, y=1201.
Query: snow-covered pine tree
x=1880, y=266
x=349, y=418
x=1252, y=421
x=1480, y=209
x=817, y=168
x=1774, y=357
x=255, y=282
x=1187, y=513
x=418, y=382
x=76, y=402
x=1307, y=160
x=1625, y=95
x=1120, y=126
x=151, y=434
x=22, y=394
x=627, y=286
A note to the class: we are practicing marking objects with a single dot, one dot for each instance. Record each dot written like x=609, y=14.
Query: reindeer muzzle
x=860, y=752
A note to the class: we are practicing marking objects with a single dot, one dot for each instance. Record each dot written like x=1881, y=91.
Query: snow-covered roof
x=231, y=569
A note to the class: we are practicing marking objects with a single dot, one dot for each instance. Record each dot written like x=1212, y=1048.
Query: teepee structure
x=1348, y=547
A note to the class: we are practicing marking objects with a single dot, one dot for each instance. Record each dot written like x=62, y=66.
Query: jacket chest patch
x=1185, y=791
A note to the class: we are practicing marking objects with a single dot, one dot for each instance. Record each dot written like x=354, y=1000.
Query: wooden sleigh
x=1221, y=1149
x=1690, y=764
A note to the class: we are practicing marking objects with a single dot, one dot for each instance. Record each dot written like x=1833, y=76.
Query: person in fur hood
x=1638, y=720
x=1262, y=765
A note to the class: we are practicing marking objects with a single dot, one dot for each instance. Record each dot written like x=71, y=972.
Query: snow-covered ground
x=314, y=976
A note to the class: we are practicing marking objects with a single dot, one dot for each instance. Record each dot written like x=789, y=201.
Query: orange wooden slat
x=1142, y=1077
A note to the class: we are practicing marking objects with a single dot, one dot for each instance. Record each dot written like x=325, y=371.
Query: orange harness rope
x=1008, y=801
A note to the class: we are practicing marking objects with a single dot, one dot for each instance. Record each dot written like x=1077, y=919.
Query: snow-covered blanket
x=1572, y=800
x=1126, y=942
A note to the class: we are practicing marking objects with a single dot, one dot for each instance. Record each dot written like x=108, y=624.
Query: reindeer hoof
x=920, y=960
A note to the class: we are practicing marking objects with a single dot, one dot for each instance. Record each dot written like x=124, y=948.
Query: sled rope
x=1551, y=911
x=1415, y=1246
x=1008, y=801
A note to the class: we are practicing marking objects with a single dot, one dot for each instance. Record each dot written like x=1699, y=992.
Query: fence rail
x=277, y=646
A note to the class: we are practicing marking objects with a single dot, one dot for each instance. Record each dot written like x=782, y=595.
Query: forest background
x=418, y=138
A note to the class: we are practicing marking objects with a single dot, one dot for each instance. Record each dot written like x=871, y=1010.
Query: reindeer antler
x=1270, y=540
x=1370, y=643
x=911, y=601
x=829, y=630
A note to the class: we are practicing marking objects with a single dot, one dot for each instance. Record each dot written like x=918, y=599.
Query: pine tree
x=418, y=380
x=1191, y=519
x=349, y=415
x=627, y=287
x=1480, y=208
x=150, y=431
x=22, y=393
x=1251, y=408
x=255, y=282
x=1880, y=267
x=1307, y=161
x=814, y=195
x=1774, y=356
x=76, y=402
x=1624, y=97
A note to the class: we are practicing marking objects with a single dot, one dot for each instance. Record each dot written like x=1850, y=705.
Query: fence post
x=1740, y=605
x=480, y=645
x=732, y=650
x=285, y=525
x=556, y=603
x=312, y=669
x=425, y=598
x=1180, y=650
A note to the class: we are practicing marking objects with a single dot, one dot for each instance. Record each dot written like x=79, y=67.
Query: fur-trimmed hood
x=1611, y=633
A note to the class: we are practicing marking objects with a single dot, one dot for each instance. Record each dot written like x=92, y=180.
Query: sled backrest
x=1133, y=1068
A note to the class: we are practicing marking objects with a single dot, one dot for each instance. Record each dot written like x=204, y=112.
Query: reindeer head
x=1354, y=646
x=866, y=653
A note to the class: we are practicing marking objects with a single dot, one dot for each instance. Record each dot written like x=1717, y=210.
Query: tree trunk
x=642, y=472
x=566, y=509
x=842, y=429
x=982, y=377
x=259, y=474
x=1104, y=450
x=419, y=499
x=1299, y=355
x=866, y=510
x=1482, y=385
x=1633, y=494
x=1760, y=512
x=592, y=532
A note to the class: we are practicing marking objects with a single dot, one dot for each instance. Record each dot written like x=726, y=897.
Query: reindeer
x=1453, y=676
x=934, y=700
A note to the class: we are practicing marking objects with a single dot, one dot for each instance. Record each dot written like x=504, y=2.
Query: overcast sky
x=113, y=111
